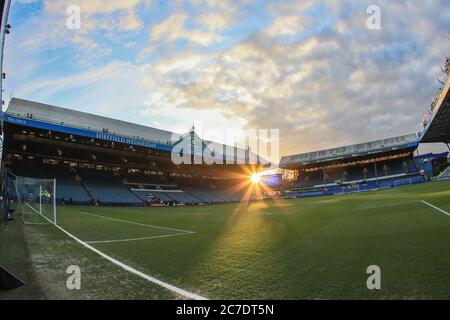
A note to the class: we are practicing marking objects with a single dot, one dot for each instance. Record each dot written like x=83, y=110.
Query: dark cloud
x=331, y=82
x=342, y=84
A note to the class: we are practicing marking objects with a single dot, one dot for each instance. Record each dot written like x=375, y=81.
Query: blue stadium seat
x=107, y=189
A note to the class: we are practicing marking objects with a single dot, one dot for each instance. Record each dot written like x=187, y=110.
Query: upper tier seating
x=140, y=178
x=107, y=188
x=223, y=195
x=149, y=194
x=356, y=173
x=366, y=185
x=183, y=197
x=204, y=194
x=67, y=189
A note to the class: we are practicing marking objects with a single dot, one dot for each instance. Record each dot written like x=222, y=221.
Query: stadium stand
x=432, y=164
x=147, y=195
x=223, y=195
x=437, y=129
x=354, y=174
x=183, y=197
x=103, y=161
x=69, y=190
x=445, y=175
x=107, y=188
x=204, y=194
x=386, y=163
x=145, y=179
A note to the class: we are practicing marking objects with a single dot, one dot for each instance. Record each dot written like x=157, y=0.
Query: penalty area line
x=434, y=207
x=137, y=223
x=143, y=238
x=126, y=267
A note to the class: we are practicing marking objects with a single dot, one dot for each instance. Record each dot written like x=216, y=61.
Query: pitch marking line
x=180, y=232
x=137, y=223
x=434, y=207
x=34, y=223
x=163, y=284
x=126, y=267
x=144, y=238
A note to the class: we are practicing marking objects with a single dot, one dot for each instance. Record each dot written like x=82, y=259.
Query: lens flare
x=255, y=178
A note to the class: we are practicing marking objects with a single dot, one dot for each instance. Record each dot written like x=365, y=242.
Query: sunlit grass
x=287, y=249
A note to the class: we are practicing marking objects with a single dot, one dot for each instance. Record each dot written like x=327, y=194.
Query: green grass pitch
x=316, y=248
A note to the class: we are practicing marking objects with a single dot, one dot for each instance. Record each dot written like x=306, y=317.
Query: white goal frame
x=402, y=182
x=40, y=212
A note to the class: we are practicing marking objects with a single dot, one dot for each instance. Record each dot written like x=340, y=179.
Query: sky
x=312, y=69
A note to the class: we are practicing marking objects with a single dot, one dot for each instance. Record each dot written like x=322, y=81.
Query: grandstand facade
x=103, y=161
x=437, y=129
x=377, y=164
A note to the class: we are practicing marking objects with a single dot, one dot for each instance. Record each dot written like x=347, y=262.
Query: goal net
x=36, y=200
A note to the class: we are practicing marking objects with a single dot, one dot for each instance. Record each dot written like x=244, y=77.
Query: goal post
x=34, y=200
x=403, y=182
x=54, y=201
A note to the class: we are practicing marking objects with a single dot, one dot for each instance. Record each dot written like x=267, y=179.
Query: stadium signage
x=16, y=121
x=370, y=148
x=182, y=151
x=141, y=143
x=84, y=133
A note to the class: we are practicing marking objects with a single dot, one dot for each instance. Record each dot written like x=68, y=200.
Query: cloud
x=173, y=29
x=130, y=21
x=295, y=6
x=89, y=7
x=100, y=19
x=45, y=86
x=334, y=82
x=170, y=29
x=342, y=84
x=215, y=21
x=288, y=26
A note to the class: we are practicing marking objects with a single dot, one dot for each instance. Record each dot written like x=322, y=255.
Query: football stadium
x=103, y=195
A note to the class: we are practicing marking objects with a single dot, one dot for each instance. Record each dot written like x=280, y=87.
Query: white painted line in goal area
x=180, y=231
x=137, y=223
x=40, y=214
x=126, y=267
x=144, y=238
x=34, y=223
x=163, y=284
x=434, y=207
